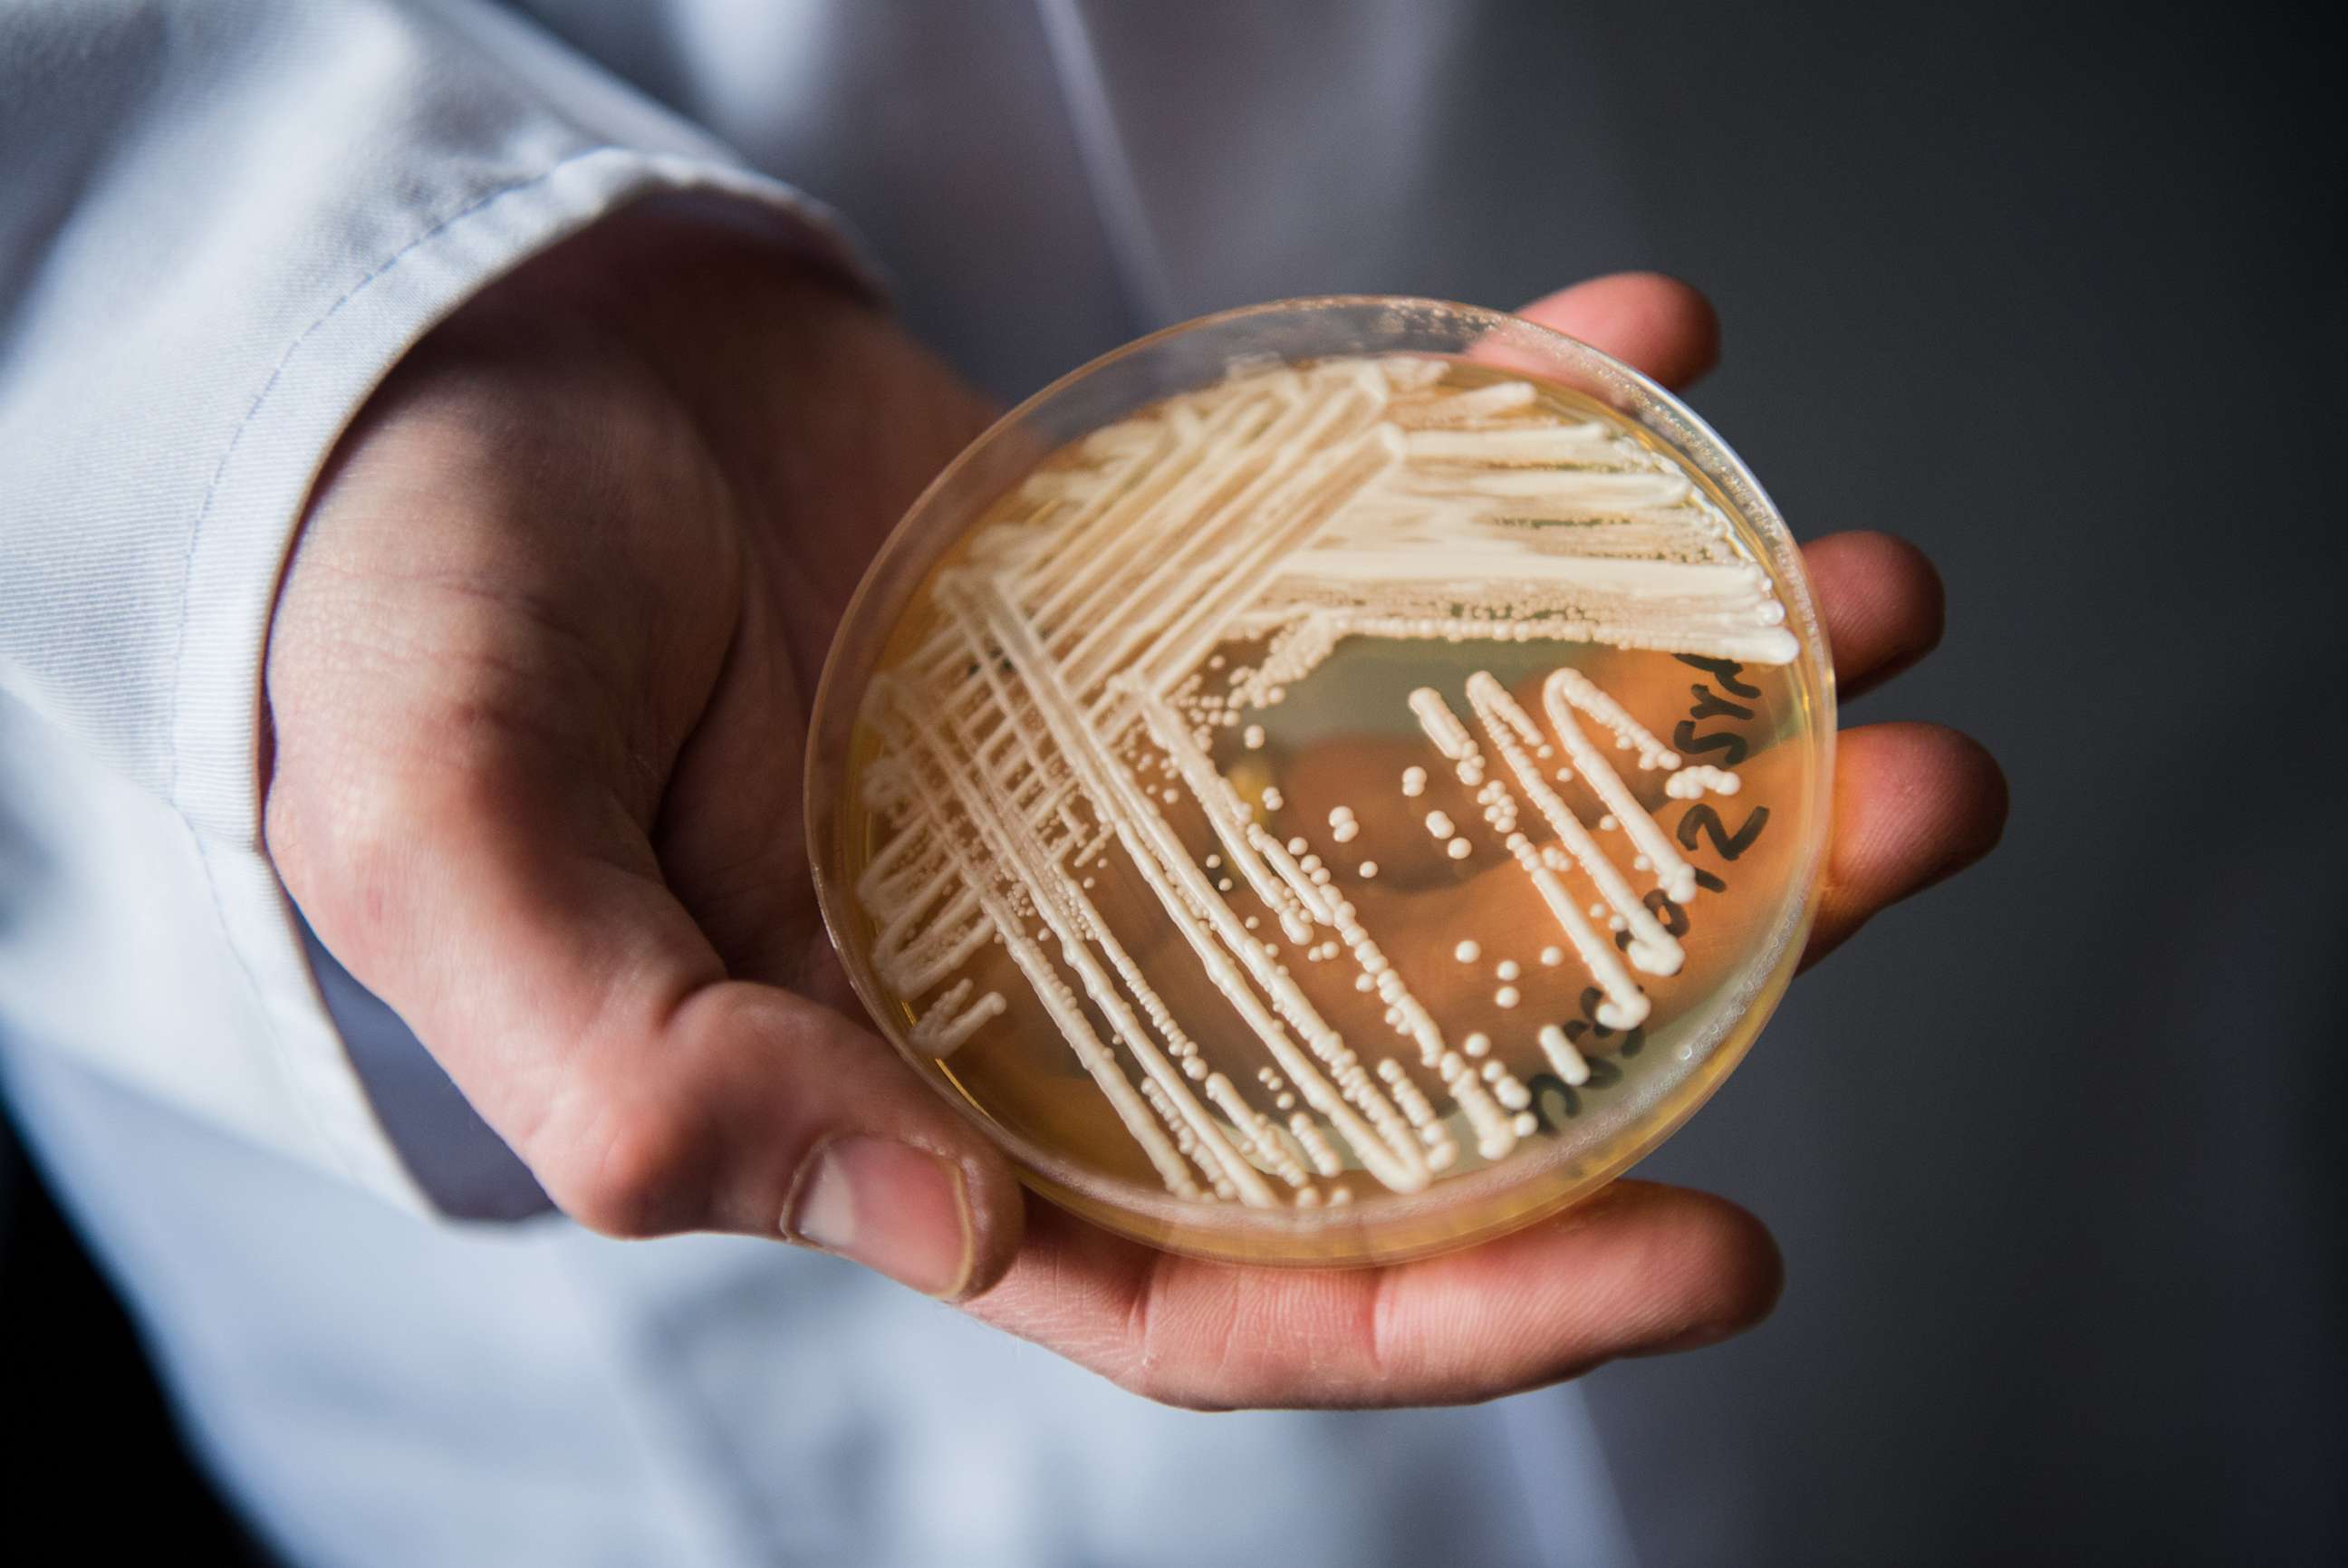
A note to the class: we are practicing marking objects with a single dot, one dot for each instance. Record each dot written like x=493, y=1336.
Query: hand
x=538, y=683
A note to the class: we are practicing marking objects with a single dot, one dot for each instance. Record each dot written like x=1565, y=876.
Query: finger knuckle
x=643, y=1172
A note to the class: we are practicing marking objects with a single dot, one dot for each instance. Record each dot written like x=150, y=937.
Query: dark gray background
x=2052, y=1153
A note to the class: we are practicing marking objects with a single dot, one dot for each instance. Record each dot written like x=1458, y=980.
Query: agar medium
x=1329, y=783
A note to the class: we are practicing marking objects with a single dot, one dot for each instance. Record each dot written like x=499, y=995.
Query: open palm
x=538, y=683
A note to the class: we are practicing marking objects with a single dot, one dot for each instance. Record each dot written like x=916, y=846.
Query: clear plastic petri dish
x=1328, y=782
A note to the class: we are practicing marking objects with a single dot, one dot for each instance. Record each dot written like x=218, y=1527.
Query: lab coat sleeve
x=221, y=222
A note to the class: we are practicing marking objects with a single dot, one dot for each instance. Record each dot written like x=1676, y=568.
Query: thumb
x=515, y=915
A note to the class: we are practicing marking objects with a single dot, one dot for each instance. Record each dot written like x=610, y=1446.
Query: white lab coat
x=220, y=225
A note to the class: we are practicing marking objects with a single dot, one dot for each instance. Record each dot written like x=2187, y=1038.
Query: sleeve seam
x=328, y=1142
x=269, y=386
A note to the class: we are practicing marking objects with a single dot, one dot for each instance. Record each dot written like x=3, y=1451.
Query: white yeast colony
x=1288, y=509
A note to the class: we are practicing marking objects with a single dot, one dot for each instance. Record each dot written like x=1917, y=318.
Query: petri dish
x=1328, y=782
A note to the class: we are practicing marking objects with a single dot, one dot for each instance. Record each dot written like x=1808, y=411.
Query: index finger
x=1652, y=322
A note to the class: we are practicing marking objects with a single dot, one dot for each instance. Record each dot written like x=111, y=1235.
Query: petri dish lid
x=1329, y=782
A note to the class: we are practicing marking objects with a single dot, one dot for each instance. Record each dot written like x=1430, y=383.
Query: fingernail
x=895, y=1209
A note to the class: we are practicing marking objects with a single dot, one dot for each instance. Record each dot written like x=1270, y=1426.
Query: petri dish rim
x=1400, y=1226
